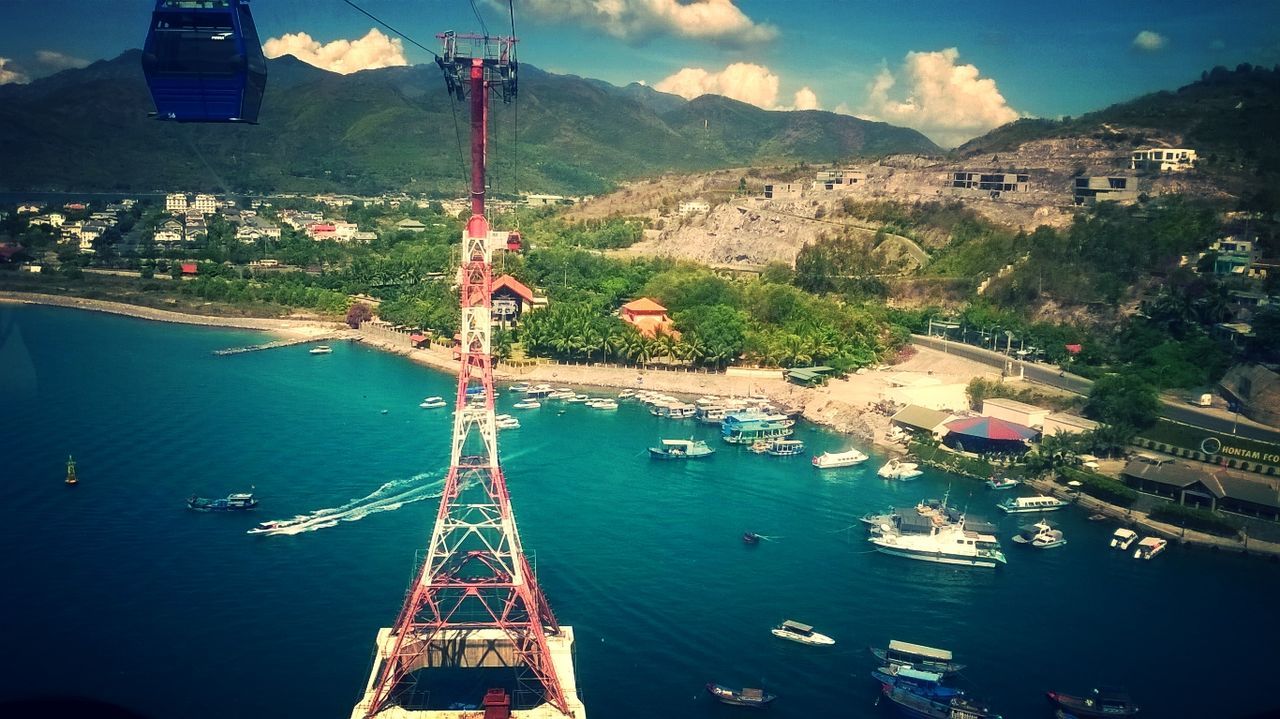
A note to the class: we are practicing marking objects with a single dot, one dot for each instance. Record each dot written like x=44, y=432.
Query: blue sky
x=948, y=69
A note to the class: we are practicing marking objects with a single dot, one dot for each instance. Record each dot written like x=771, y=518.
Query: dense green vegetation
x=392, y=130
x=1104, y=488
x=980, y=389
x=1195, y=518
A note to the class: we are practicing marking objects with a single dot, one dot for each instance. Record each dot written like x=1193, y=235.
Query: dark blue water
x=116, y=591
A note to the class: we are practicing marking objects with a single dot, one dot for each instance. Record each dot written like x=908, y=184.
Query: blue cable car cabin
x=203, y=61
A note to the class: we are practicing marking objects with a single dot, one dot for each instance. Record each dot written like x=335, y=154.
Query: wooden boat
x=742, y=697
x=71, y=480
x=919, y=693
x=1099, y=703
x=802, y=633
x=681, y=449
x=899, y=654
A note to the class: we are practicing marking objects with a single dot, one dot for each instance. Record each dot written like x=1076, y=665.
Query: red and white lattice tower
x=475, y=603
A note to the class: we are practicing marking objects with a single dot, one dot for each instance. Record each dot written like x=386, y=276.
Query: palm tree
x=691, y=349
x=667, y=345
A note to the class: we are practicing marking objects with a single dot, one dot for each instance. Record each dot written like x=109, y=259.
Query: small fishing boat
x=906, y=654
x=1020, y=505
x=1123, y=538
x=1099, y=703
x=1040, y=535
x=527, y=404
x=1002, y=483
x=919, y=693
x=321, y=350
x=681, y=449
x=785, y=447
x=433, y=403
x=897, y=469
x=831, y=460
x=802, y=633
x=1149, y=547
x=741, y=698
x=71, y=480
x=750, y=538
x=759, y=446
x=237, y=502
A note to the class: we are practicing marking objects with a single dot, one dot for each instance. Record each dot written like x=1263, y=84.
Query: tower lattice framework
x=475, y=576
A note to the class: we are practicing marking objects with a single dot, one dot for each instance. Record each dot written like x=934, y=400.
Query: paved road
x=1216, y=420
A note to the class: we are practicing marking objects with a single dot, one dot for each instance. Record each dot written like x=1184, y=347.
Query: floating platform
x=480, y=648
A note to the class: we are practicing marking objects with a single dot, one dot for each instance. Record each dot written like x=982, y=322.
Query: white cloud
x=805, y=99
x=1150, y=41
x=372, y=51
x=8, y=74
x=949, y=103
x=637, y=20
x=59, y=61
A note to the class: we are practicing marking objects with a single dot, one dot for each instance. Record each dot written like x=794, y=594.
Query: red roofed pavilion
x=649, y=317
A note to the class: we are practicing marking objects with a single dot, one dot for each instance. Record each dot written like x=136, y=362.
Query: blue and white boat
x=681, y=449
x=917, y=693
x=238, y=502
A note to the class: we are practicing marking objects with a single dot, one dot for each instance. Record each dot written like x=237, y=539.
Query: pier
x=341, y=335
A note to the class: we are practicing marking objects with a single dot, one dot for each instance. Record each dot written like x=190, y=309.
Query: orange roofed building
x=649, y=317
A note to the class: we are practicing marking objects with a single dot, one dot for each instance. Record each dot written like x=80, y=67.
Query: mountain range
x=396, y=129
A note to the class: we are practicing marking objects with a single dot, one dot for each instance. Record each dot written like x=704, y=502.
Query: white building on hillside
x=1163, y=159
x=693, y=207
x=205, y=204
x=175, y=203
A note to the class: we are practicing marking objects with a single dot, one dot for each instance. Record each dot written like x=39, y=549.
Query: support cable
x=378, y=20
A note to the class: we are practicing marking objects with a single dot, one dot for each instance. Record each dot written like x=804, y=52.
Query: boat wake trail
x=389, y=497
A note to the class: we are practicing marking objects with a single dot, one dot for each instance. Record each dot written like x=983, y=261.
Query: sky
x=951, y=70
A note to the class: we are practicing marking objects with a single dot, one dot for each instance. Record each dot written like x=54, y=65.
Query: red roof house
x=189, y=268
x=511, y=298
x=649, y=317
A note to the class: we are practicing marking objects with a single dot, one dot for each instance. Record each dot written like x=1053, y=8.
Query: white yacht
x=803, y=633
x=604, y=403
x=626, y=394
x=321, y=350
x=1040, y=536
x=579, y=398
x=945, y=544
x=527, y=404
x=829, y=460
x=433, y=403
x=897, y=469
x=1123, y=538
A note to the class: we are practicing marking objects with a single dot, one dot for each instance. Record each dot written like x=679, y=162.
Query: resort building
x=993, y=182
x=839, y=179
x=649, y=317
x=1060, y=423
x=511, y=299
x=787, y=191
x=693, y=207
x=987, y=434
x=1207, y=487
x=1088, y=190
x=1013, y=411
x=915, y=418
x=1163, y=159
x=175, y=203
x=205, y=204
x=409, y=225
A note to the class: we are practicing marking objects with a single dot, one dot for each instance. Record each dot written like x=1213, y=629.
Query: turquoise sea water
x=116, y=591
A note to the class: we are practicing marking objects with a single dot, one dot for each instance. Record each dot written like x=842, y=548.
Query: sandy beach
x=844, y=405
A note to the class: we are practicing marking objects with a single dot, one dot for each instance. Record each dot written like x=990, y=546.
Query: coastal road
x=1205, y=417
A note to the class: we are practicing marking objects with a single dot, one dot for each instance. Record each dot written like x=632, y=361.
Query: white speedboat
x=1040, y=536
x=897, y=469
x=1123, y=538
x=433, y=403
x=580, y=398
x=830, y=460
x=626, y=394
x=1019, y=505
x=802, y=633
x=321, y=350
x=560, y=395
x=521, y=387
x=527, y=404
x=603, y=404
x=1149, y=547
x=948, y=543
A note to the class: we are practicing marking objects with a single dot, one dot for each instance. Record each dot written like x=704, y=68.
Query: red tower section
x=475, y=602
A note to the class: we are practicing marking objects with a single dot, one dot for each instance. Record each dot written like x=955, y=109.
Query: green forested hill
x=394, y=129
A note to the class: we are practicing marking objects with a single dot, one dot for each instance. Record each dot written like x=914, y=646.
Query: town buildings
x=1163, y=159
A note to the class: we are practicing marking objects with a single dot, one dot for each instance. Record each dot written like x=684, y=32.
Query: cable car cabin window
x=196, y=43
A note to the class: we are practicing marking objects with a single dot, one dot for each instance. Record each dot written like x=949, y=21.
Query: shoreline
x=286, y=328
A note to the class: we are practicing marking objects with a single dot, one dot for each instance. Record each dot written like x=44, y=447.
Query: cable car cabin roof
x=797, y=627
x=203, y=61
x=919, y=650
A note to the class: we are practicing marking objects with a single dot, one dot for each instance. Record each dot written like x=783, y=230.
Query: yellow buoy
x=71, y=471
